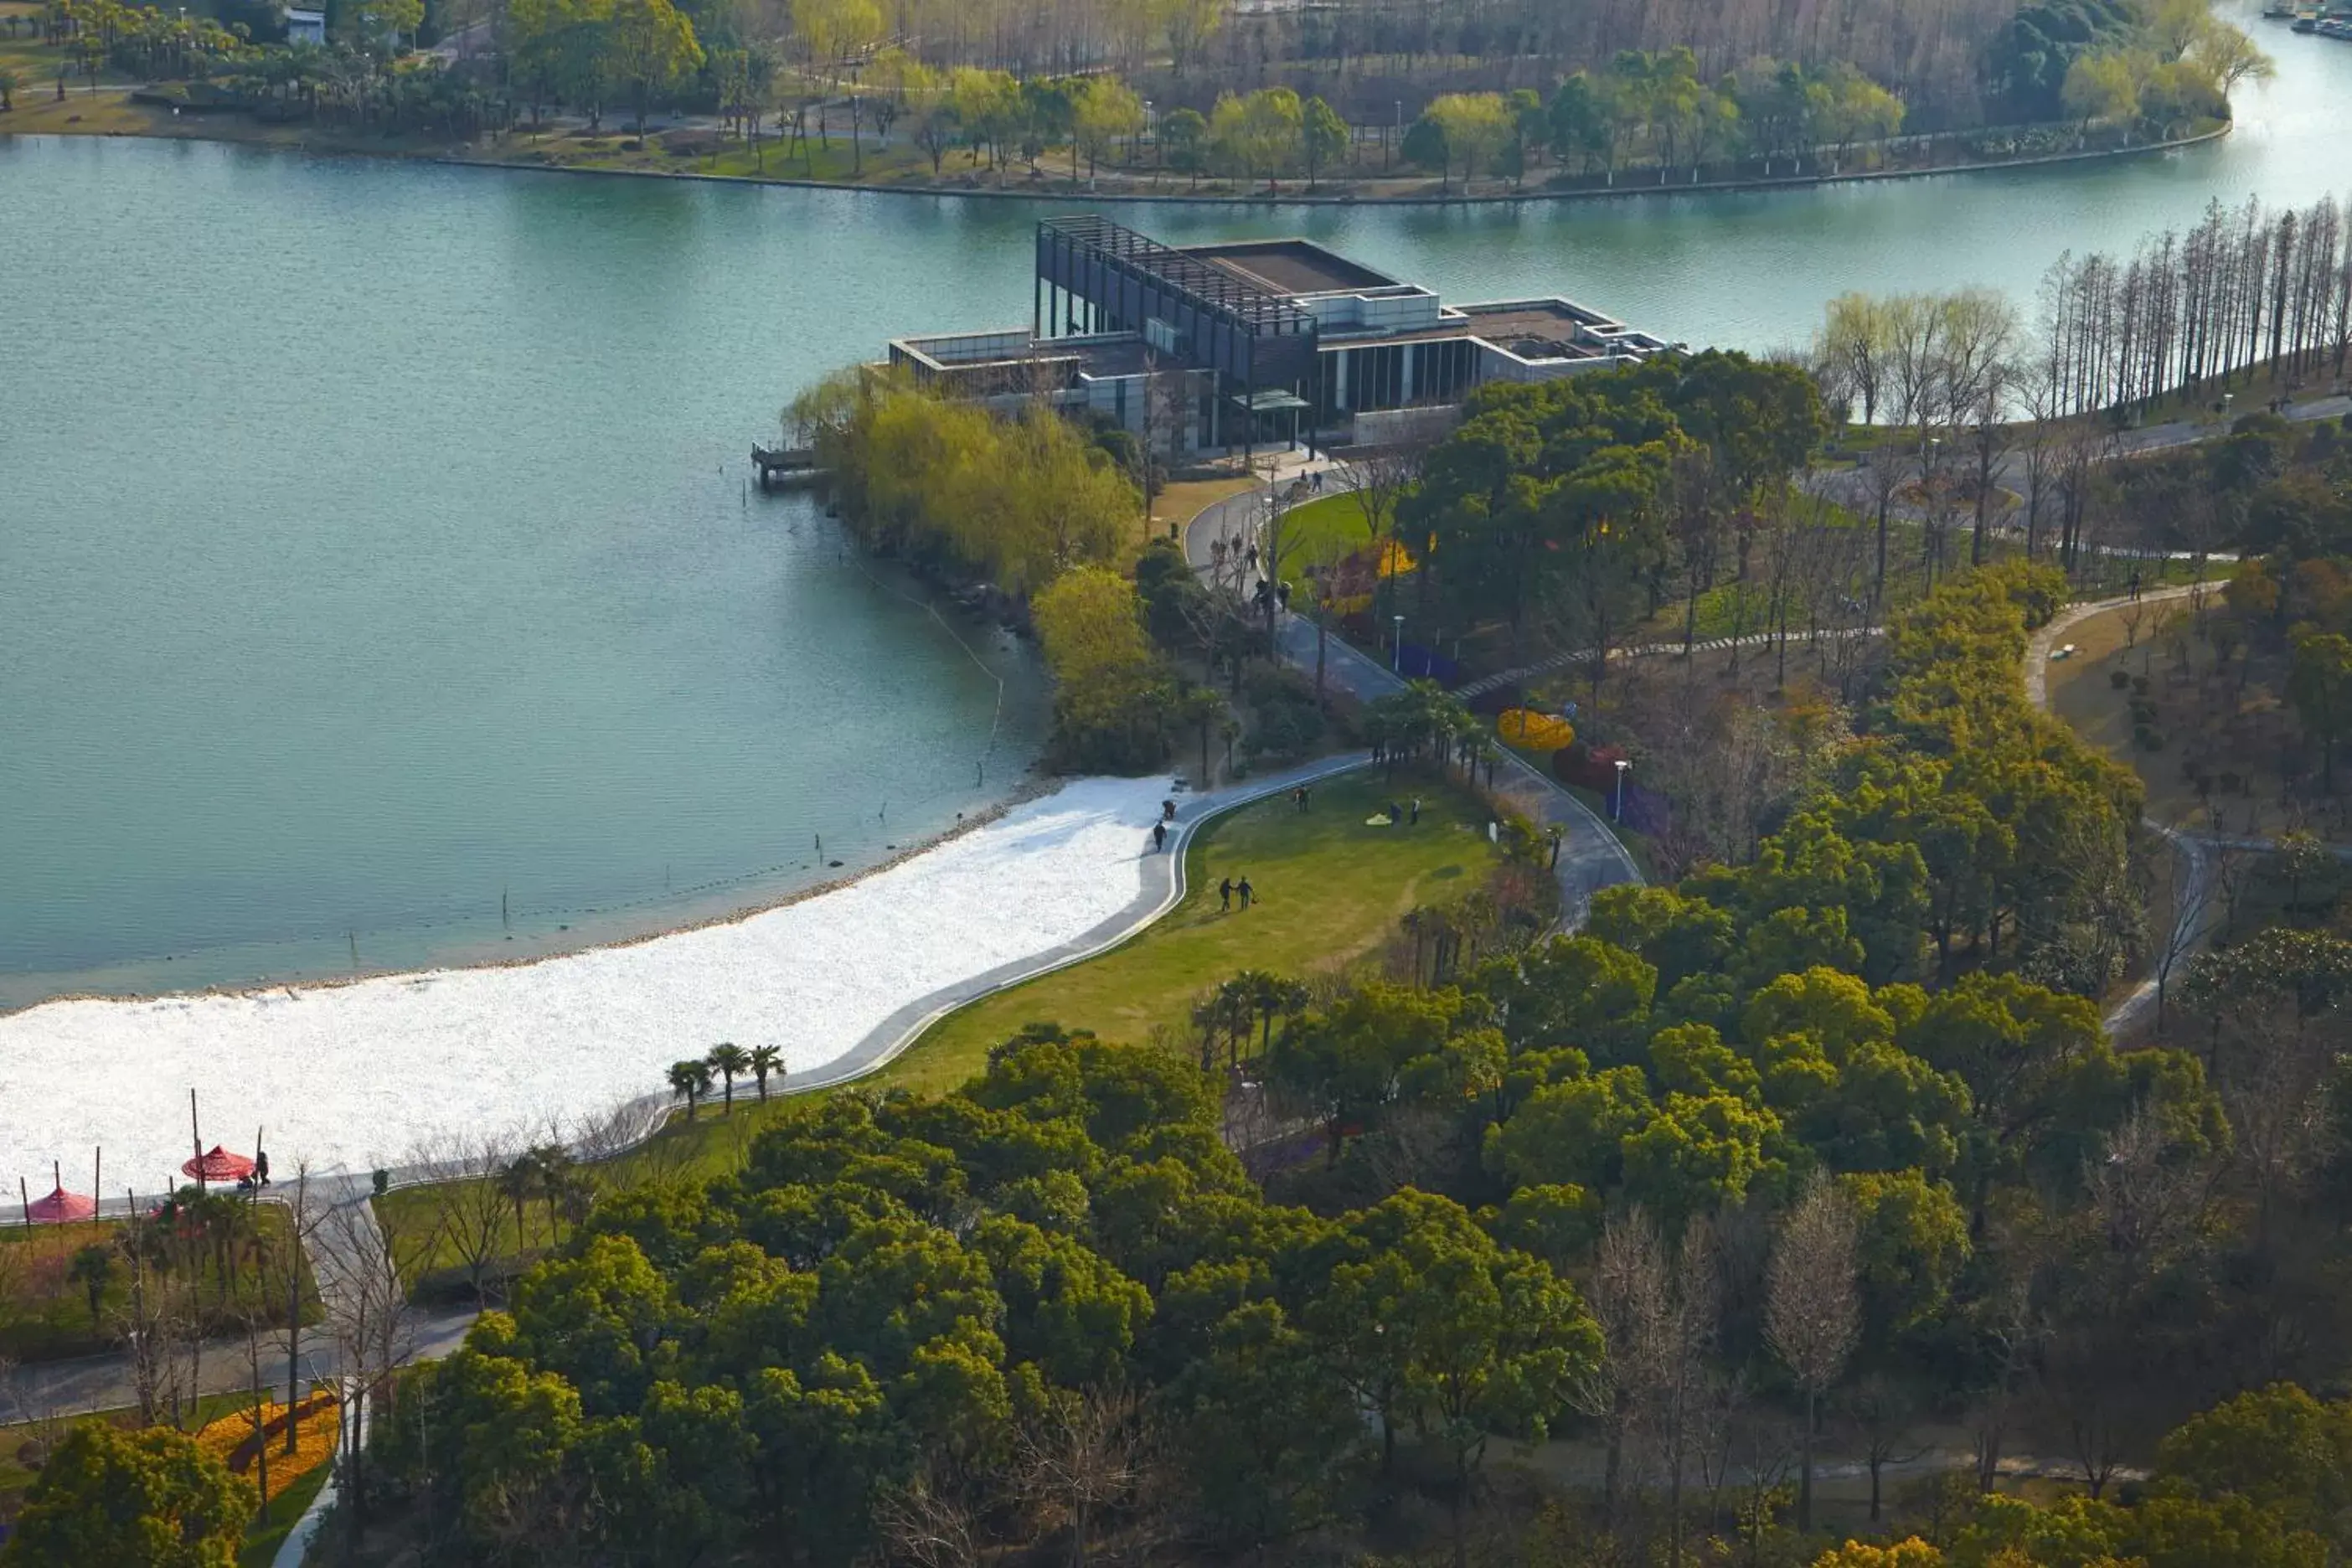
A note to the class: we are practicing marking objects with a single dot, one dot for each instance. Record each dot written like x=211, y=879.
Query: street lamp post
x=1618, y=812
x=1396, y=648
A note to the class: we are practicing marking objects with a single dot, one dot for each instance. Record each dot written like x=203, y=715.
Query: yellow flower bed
x=314, y=1444
x=1534, y=732
x=1395, y=559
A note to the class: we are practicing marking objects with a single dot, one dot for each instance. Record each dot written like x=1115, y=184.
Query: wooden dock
x=786, y=466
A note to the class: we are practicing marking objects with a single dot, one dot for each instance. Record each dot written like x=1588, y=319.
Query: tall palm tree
x=555, y=1176
x=766, y=1059
x=1272, y=996
x=573, y=1195
x=689, y=1080
x=519, y=1181
x=728, y=1059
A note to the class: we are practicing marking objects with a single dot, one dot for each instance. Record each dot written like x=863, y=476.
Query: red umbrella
x=59, y=1207
x=217, y=1165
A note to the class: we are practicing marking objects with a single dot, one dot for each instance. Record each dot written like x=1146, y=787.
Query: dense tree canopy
x=139, y=1499
x=891, y=1295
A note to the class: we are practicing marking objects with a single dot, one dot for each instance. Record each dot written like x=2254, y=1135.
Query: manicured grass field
x=44, y=1313
x=1322, y=532
x=1331, y=889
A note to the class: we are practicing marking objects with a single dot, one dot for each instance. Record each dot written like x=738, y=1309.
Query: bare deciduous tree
x=1882, y=1410
x=369, y=1316
x=1087, y=1454
x=1813, y=1309
x=2194, y=891
x=927, y=1522
x=469, y=1207
x=1660, y=1309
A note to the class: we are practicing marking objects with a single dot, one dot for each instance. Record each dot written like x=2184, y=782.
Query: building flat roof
x=1290, y=267
x=1110, y=354
x=1531, y=329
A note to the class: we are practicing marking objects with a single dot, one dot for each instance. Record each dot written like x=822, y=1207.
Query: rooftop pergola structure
x=1205, y=317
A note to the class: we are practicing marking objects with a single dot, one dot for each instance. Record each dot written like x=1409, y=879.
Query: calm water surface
x=374, y=540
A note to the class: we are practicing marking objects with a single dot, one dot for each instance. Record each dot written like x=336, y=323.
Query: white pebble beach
x=367, y=1073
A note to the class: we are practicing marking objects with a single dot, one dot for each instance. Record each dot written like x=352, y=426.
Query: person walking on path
x=1159, y=838
x=1414, y=820
x=1225, y=894
x=1245, y=890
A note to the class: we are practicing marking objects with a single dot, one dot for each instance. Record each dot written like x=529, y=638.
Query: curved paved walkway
x=1501, y=678
x=2191, y=924
x=1162, y=890
x=1591, y=857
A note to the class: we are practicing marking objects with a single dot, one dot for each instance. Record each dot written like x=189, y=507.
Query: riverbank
x=109, y=112
x=378, y=1071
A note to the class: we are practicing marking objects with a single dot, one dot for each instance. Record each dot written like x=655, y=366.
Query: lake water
x=376, y=543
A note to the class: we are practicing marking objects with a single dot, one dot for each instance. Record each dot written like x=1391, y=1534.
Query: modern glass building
x=1257, y=343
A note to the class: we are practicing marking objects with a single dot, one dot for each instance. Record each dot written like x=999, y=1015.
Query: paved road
x=103, y=1381
x=1591, y=857
x=2192, y=915
x=1852, y=487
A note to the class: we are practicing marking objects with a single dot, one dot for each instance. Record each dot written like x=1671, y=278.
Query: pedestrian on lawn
x=1225, y=894
x=1415, y=819
x=1245, y=890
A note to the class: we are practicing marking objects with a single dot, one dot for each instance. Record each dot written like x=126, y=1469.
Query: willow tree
x=1477, y=128
x=650, y=46
x=1257, y=137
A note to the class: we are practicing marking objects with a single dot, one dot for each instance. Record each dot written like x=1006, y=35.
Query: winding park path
x=1590, y=856
x=2192, y=898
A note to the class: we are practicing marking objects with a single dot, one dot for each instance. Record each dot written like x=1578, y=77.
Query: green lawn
x=44, y=1313
x=1320, y=533
x=1330, y=887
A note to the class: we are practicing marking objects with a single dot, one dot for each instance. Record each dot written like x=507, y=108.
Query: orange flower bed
x=230, y=1440
x=1534, y=732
